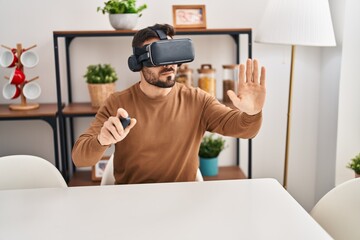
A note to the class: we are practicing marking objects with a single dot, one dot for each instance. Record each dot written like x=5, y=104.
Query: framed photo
x=189, y=16
x=98, y=170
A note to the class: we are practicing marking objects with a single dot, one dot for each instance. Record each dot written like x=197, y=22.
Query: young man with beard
x=168, y=121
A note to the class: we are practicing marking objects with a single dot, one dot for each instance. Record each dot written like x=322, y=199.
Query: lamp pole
x=288, y=125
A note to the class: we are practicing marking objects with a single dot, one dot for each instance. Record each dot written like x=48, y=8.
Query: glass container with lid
x=207, y=80
x=184, y=75
x=230, y=82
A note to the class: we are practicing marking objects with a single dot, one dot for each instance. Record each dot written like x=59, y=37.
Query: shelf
x=45, y=110
x=85, y=109
x=73, y=110
x=228, y=173
x=109, y=33
x=83, y=177
x=80, y=109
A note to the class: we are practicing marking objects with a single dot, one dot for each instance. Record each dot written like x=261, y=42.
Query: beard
x=154, y=79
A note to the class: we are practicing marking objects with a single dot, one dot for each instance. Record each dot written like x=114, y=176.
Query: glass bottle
x=184, y=75
x=207, y=80
x=229, y=80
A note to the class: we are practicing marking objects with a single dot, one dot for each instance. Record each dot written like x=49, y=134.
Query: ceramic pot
x=123, y=21
x=209, y=166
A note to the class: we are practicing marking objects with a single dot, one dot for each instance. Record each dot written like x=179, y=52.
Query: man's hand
x=250, y=97
x=112, y=130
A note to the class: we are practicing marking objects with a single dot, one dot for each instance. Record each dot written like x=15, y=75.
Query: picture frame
x=98, y=170
x=189, y=16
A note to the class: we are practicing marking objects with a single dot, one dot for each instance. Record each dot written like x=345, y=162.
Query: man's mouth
x=167, y=71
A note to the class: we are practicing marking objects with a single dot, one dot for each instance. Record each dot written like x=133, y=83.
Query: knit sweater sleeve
x=227, y=121
x=87, y=150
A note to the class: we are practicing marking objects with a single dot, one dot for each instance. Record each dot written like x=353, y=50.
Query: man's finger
x=262, y=76
x=233, y=97
x=242, y=74
x=122, y=113
x=249, y=71
x=255, y=71
x=115, y=121
x=111, y=132
x=131, y=125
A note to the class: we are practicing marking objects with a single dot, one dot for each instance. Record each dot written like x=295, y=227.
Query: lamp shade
x=297, y=22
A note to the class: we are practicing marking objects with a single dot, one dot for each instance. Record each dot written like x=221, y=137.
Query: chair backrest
x=108, y=174
x=26, y=171
x=338, y=212
x=199, y=177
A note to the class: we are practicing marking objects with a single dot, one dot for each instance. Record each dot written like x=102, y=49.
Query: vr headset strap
x=139, y=51
x=141, y=54
x=143, y=57
x=161, y=34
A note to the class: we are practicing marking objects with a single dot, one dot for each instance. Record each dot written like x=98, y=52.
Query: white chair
x=199, y=177
x=108, y=174
x=338, y=212
x=26, y=171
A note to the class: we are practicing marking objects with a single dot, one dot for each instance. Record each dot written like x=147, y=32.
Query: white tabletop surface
x=224, y=210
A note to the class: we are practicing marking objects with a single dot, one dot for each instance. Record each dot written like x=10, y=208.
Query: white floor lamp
x=295, y=22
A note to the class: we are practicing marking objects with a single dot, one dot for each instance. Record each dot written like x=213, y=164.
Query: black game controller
x=125, y=121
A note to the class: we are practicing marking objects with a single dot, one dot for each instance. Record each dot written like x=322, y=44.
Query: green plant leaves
x=121, y=6
x=354, y=164
x=100, y=73
x=211, y=147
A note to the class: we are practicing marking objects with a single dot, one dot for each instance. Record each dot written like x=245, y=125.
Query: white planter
x=123, y=21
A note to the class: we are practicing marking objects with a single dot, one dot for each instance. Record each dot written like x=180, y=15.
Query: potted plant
x=101, y=82
x=354, y=164
x=123, y=14
x=209, y=151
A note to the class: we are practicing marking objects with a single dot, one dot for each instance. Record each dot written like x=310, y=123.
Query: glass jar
x=184, y=75
x=229, y=80
x=207, y=80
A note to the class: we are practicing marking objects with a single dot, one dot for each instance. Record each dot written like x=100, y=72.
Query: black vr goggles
x=163, y=52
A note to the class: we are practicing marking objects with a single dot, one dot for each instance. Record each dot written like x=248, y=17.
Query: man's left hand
x=251, y=91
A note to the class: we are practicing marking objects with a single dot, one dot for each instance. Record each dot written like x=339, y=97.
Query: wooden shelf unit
x=47, y=112
x=72, y=110
x=80, y=109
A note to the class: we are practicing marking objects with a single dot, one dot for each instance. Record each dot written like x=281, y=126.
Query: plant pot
x=209, y=166
x=100, y=92
x=123, y=21
x=357, y=175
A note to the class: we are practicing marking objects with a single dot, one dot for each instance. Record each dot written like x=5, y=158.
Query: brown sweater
x=163, y=146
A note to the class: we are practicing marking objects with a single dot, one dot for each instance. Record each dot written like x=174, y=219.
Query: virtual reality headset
x=163, y=52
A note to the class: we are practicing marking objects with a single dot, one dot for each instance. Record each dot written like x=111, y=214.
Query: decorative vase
x=123, y=20
x=100, y=92
x=209, y=166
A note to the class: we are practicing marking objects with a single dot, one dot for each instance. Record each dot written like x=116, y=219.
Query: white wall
x=348, y=140
x=311, y=65
x=328, y=107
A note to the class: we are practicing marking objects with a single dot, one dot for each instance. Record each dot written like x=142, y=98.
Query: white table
x=224, y=210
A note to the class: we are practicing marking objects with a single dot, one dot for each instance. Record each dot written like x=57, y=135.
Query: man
x=168, y=121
